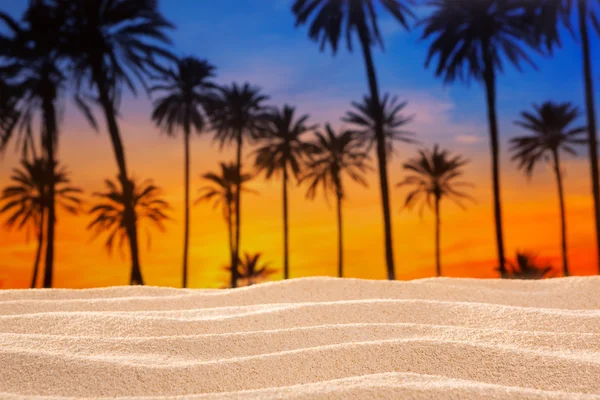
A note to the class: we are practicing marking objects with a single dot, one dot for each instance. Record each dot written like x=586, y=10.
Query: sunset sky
x=255, y=41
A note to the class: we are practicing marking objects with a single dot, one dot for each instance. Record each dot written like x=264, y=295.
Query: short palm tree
x=221, y=190
x=109, y=215
x=32, y=55
x=109, y=42
x=26, y=200
x=433, y=177
x=526, y=267
x=552, y=130
x=363, y=117
x=182, y=107
x=251, y=270
x=236, y=113
x=330, y=20
x=470, y=40
x=333, y=155
x=283, y=151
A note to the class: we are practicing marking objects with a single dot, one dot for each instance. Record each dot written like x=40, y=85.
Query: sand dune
x=307, y=338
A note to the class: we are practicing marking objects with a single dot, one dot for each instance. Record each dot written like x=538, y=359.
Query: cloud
x=468, y=139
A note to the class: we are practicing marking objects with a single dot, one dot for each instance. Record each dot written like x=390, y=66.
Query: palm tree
x=283, y=150
x=364, y=114
x=469, y=39
x=109, y=213
x=27, y=199
x=186, y=90
x=551, y=131
x=33, y=65
x=222, y=191
x=526, y=267
x=109, y=41
x=9, y=114
x=250, y=270
x=434, y=175
x=236, y=113
x=333, y=155
x=332, y=18
x=555, y=11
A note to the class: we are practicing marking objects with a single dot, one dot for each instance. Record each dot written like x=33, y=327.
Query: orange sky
x=468, y=249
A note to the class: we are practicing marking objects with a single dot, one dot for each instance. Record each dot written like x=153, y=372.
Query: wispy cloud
x=468, y=139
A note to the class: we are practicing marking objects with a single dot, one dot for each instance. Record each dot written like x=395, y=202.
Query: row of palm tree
x=102, y=47
x=470, y=39
x=432, y=177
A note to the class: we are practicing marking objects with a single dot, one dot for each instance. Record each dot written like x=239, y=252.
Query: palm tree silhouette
x=553, y=12
x=469, y=38
x=526, y=267
x=364, y=114
x=27, y=199
x=331, y=19
x=108, y=42
x=9, y=114
x=185, y=93
x=110, y=215
x=222, y=191
x=32, y=53
x=251, y=270
x=331, y=156
x=236, y=113
x=434, y=175
x=551, y=132
x=283, y=150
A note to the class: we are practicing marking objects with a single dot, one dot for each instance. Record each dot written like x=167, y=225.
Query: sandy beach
x=306, y=338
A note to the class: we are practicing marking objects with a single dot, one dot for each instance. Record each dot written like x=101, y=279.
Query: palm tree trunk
x=130, y=217
x=591, y=119
x=38, y=253
x=186, y=234
x=230, y=231
x=286, y=267
x=381, y=153
x=49, y=115
x=490, y=87
x=563, y=220
x=238, y=196
x=340, y=237
x=438, y=264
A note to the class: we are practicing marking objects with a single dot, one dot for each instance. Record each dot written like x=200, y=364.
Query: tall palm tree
x=236, y=113
x=364, y=115
x=9, y=113
x=251, y=270
x=109, y=43
x=282, y=151
x=27, y=199
x=470, y=38
x=182, y=107
x=551, y=131
x=555, y=11
x=332, y=18
x=526, y=267
x=333, y=155
x=222, y=191
x=434, y=177
x=109, y=213
x=32, y=55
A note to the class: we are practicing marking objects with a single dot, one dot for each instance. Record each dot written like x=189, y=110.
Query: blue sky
x=256, y=41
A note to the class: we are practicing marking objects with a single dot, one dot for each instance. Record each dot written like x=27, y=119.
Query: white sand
x=309, y=338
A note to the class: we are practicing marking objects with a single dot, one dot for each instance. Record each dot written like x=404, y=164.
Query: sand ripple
x=309, y=338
